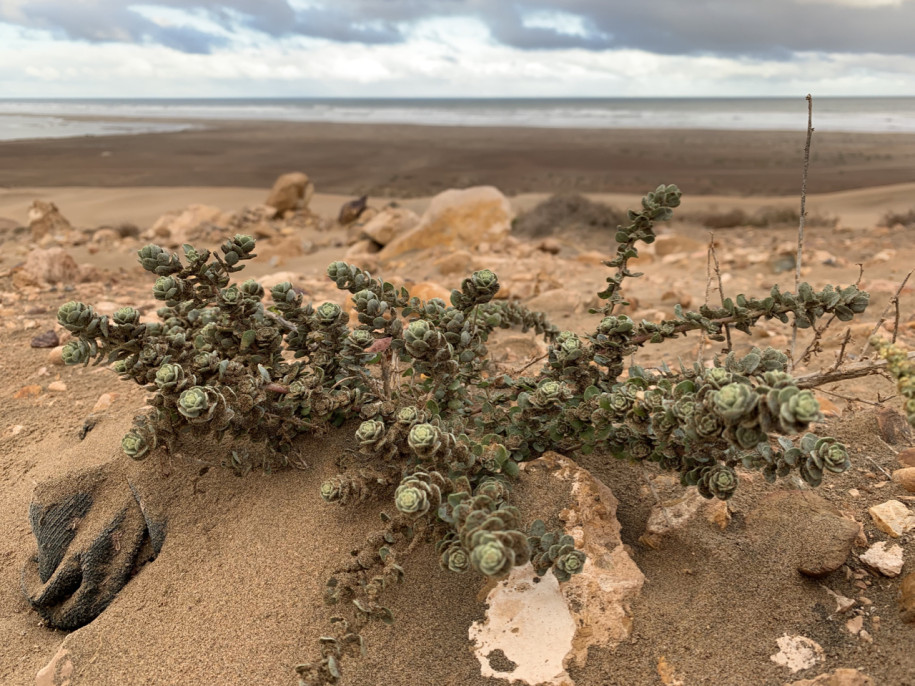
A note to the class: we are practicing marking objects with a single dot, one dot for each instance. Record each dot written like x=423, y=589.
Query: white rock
x=887, y=561
x=893, y=518
x=797, y=653
x=543, y=627
x=531, y=624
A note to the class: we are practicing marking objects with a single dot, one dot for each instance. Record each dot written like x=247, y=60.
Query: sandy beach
x=410, y=161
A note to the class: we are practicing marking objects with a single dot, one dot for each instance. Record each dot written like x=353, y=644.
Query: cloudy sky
x=431, y=48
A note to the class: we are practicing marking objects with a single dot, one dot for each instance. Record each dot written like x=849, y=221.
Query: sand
x=234, y=598
x=401, y=161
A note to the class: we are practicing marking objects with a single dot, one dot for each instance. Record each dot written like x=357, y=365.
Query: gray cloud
x=733, y=28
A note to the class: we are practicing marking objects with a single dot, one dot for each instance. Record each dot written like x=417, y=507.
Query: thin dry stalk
x=841, y=356
x=800, y=225
x=714, y=255
x=894, y=301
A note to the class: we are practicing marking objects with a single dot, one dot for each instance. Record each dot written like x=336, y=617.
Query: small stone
x=671, y=244
x=906, y=457
x=56, y=356
x=822, y=538
x=827, y=407
x=840, y=677
x=797, y=653
x=14, y=430
x=58, y=672
x=351, y=210
x=907, y=598
x=893, y=427
x=458, y=263
x=57, y=387
x=854, y=625
x=557, y=301
x=426, y=290
x=549, y=245
x=893, y=518
x=104, y=401
x=843, y=604
x=682, y=299
x=48, y=339
x=289, y=192
x=854, y=492
x=29, y=391
x=717, y=512
x=887, y=561
x=905, y=478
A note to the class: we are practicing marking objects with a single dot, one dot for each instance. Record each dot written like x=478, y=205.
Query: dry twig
x=853, y=371
x=893, y=301
x=800, y=226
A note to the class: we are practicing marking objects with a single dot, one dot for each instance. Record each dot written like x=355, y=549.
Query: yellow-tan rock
x=457, y=219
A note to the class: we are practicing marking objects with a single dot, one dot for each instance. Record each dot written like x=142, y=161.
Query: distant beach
x=395, y=160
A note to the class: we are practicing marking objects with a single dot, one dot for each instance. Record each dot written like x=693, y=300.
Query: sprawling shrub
x=441, y=432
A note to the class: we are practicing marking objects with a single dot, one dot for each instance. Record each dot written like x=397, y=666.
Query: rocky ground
x=782, y=584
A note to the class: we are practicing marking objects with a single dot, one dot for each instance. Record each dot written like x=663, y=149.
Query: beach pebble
x=29, y=391
x=57, y=387
x=893, y=427
x=906, y=457
x=887, y=561
x=797, y=653
x=55, y=355
x=48, y=339
x=104, y=401
x=905, y=478
x=550, y=246
x=893, y=518
x=351, y=211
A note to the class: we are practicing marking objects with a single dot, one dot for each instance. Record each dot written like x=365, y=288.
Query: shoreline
x=395, y=160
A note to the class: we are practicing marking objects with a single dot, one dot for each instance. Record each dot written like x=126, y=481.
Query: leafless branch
x=852, y=371
x=801, y=220
x=893, y=301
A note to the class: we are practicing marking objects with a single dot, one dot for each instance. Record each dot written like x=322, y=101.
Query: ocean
x=24, y=119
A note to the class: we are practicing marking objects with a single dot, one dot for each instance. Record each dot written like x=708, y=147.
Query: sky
x=455, y=48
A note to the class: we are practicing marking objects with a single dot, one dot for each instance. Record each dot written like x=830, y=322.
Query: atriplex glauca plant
x=442, y=432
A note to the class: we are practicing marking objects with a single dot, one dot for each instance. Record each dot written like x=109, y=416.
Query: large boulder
x=185, y=226
x=388, y=224
x=46, y=220
x=290, y=192
x=54, y=265
x=539, y=627
x=457, y=219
